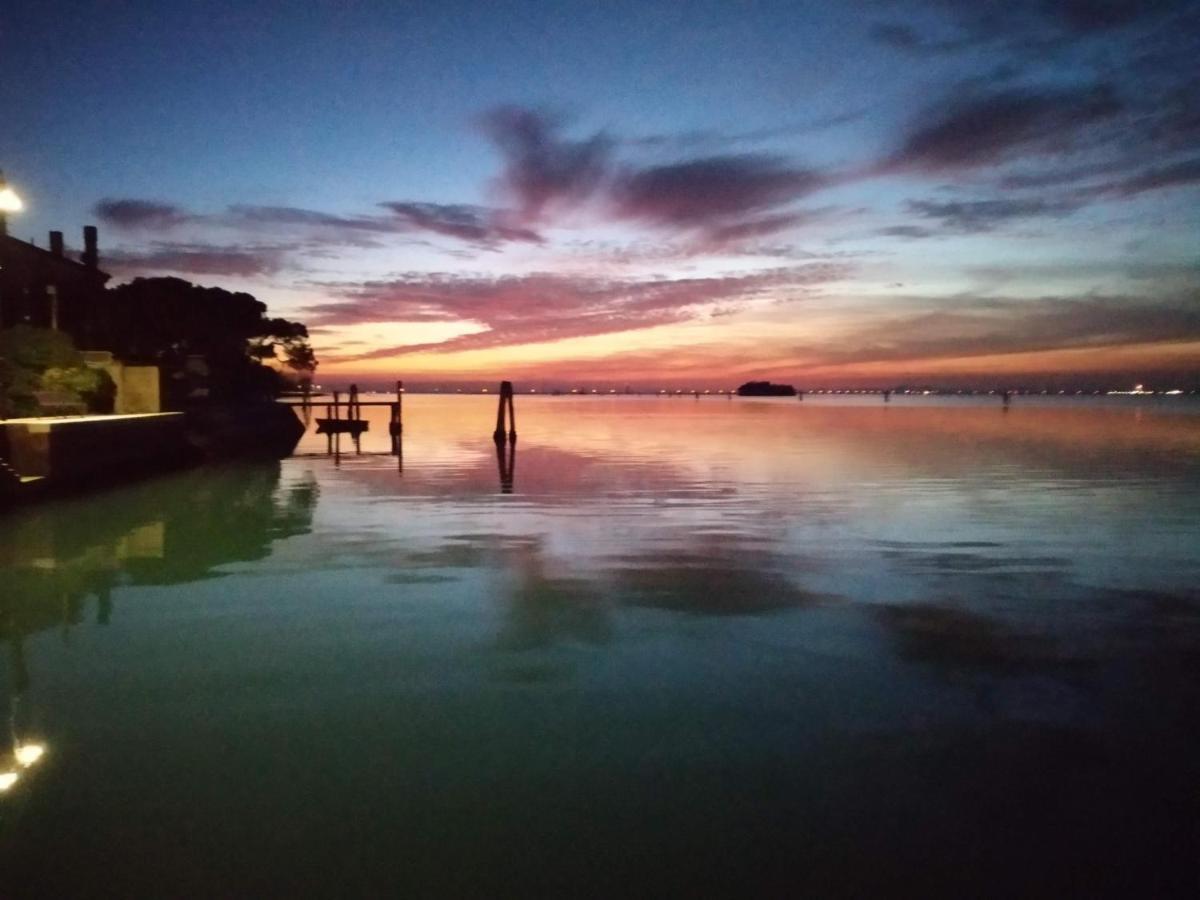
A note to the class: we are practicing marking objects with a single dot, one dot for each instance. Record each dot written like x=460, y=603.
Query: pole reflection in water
x=506, y=462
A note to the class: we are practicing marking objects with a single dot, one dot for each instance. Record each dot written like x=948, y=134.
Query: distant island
x=765, y=389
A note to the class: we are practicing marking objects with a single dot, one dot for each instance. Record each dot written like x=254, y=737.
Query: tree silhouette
x=165, y=321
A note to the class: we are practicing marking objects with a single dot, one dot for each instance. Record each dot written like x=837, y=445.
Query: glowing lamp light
x=9, y=201
x=7, y=780
x=28, y=754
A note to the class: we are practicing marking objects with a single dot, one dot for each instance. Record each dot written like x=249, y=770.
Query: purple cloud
x=134, y=214
x=989, y=325
x=548, y=307
x=1179, y=174
x=472, y=224
x=976, y=216
x=1027, y=25
x=719, y=192
x=992, y=128
x=271, y=216
x=542, y=169
x=197, y=259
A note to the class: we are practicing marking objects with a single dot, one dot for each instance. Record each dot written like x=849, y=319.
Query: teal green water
x=670, y=648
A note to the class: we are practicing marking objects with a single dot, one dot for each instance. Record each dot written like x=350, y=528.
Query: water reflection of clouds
x=723, y=508
x=1072, y=659
x=794, y=443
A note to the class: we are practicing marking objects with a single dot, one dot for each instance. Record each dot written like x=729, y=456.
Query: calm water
x=761, y=648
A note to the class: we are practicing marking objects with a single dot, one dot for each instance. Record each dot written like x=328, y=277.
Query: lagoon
x=671, y=647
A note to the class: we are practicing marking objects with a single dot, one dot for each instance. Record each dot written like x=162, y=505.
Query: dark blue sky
x=818, y=191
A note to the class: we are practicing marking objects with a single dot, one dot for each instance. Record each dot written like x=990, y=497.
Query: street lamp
x=9, y=203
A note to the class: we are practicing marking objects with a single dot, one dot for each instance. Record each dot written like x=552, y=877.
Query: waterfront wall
x=139, y=388
x=93, y=448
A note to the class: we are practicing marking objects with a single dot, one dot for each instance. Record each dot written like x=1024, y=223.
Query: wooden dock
x=347, y=418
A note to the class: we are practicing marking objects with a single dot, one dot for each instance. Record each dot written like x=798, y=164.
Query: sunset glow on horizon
x=863, y=195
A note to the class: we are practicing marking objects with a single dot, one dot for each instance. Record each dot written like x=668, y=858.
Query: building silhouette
x=47, y=288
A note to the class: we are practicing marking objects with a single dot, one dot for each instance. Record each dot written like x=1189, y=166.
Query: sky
x=652, y=194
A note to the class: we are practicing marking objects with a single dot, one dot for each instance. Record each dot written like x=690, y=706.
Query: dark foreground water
x=674, y=648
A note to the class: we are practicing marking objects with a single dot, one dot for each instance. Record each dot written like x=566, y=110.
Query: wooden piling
x=332, y=413
x=396, y=424
x=354, y=414
x=506, y=403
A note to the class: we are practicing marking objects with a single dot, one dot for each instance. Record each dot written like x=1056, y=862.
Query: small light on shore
x=28, y=754
x=9, y=201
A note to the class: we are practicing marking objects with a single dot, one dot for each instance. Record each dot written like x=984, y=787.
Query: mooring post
x=498, y=434
x=506, y=402
x=354, y=414
x=396, y=425
x=512, y=417
x=332, y=414
x=887, y=396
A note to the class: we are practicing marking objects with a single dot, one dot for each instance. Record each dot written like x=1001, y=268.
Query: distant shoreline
x=327, y=395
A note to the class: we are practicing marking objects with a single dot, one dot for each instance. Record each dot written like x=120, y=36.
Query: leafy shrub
x=38, y=349
x=94, y=387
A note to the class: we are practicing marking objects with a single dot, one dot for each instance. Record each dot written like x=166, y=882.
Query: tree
x=165, y=321
x=286, y=342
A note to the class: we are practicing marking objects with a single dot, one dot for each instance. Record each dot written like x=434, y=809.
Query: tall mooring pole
x=506, y=403
x=396, y=425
